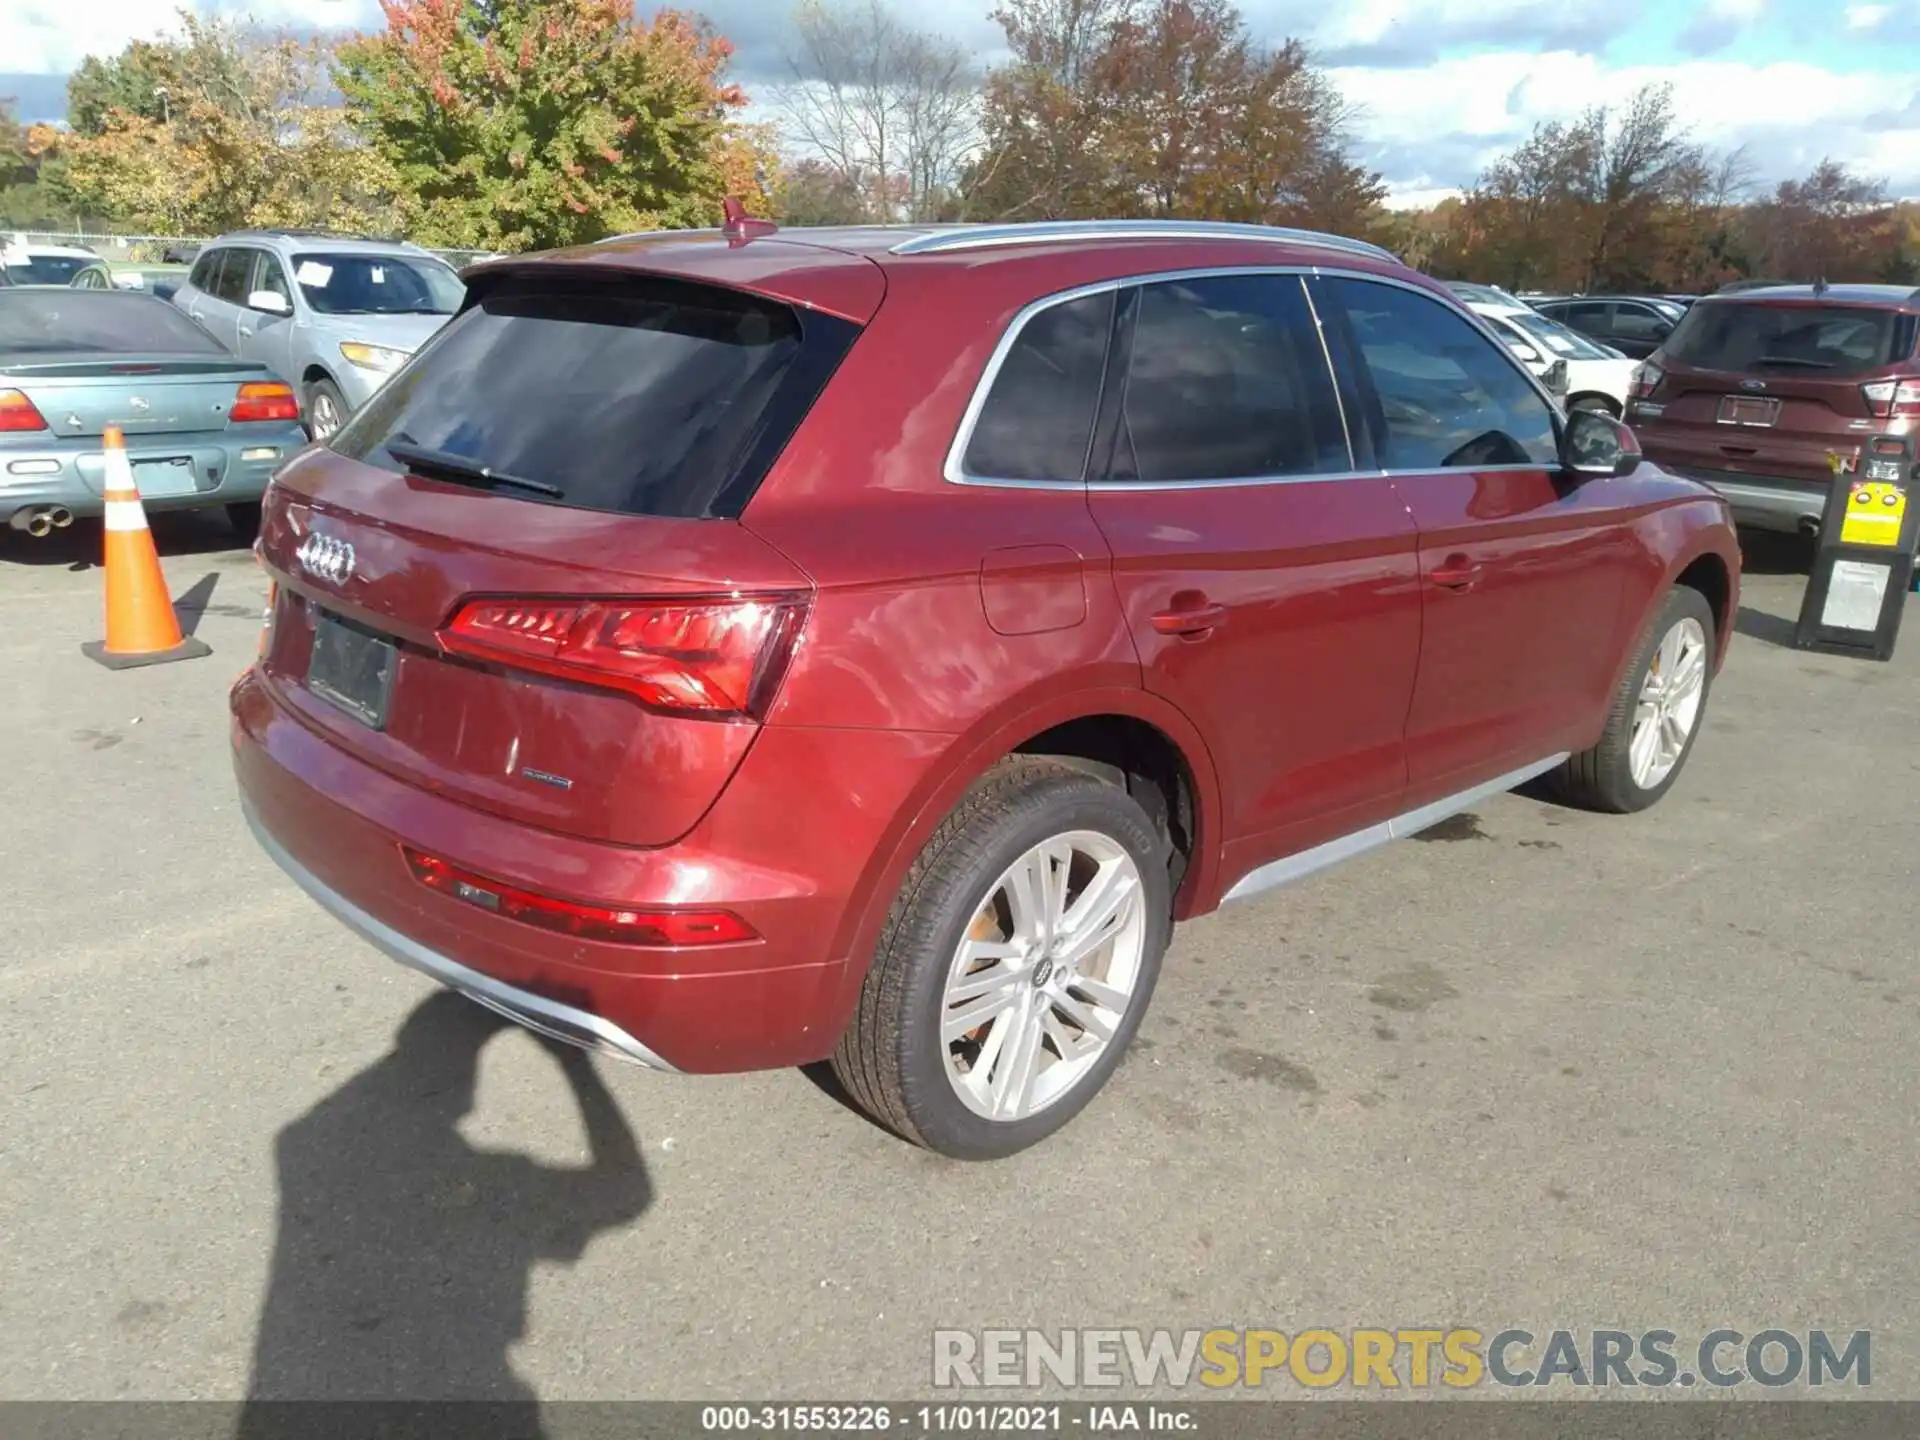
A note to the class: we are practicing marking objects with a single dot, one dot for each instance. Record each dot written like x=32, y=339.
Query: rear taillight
x=17, y=413
x=265, y=400
x=1646, y=379
x=613, y=923
x=716, y=659
x=1892, y=399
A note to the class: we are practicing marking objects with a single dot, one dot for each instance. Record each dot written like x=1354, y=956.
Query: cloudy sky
x=1441, y=85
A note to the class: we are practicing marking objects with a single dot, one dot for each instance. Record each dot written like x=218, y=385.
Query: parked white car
x=1596, y=378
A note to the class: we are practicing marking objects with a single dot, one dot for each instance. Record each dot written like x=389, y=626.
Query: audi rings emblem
x=326, y=558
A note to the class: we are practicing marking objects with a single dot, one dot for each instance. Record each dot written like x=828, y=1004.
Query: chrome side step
x=1290, y=868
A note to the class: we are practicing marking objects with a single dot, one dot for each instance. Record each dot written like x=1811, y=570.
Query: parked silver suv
x=332, y=316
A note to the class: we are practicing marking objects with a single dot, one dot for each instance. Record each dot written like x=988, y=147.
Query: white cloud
x=53, y=36
x=1451, y=118
x=1867, y=17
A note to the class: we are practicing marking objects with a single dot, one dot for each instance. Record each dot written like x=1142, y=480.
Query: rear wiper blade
x=1794, y=360
x=461, y=471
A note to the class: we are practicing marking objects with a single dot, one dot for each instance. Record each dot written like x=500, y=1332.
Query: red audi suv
x=738, y=649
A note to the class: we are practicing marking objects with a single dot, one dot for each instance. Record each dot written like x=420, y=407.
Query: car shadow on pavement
x=1768, y=629
x=1766, y=552
x=81, y=545
x=403, y=1254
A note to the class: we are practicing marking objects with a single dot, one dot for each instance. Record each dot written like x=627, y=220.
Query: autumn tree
x=1832, y=222
x=527, y=124
x=1163, y=108
x=223, y=125
x=888, y=110
x=1045, y=113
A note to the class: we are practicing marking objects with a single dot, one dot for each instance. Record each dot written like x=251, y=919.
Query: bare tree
x=892, y=111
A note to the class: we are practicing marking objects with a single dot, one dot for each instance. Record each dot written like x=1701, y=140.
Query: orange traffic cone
x=141, y=626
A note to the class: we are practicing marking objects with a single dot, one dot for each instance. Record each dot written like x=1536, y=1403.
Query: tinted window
x=1227, y=381
x=1639, y=322
x=1587, y=317
x=650, y=397
x=1447, y=397
x=46, y=269
x=1814, y=339
x=377, y=285
x=230, y=280
x=1038, y=418
x=70, y=321
x=201, y=276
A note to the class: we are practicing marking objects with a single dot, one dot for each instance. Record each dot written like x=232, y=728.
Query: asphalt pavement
x=1537, y=1068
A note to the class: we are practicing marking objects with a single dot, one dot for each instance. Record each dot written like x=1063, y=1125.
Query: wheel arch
x=1124, y=734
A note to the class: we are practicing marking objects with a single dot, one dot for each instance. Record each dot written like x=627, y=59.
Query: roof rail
x=1040, y=232
x=657, y=234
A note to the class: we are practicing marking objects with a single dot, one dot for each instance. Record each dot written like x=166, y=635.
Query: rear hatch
x=87, y=359
x=1772, y=388
x=518, y=578
x=142, y=394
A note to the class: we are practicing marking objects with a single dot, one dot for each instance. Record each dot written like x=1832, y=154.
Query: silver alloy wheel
x=1669, y=704
x=1045, y=975
x=323, y=416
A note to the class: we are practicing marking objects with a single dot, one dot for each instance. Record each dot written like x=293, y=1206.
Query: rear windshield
x=76, y=322
x=46, y=269
x=1779, y=339
x=642, y=396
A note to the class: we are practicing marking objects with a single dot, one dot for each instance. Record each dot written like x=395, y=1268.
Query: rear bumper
x=1764, y=502
x=72, y=473
x=788, y=847
x=549, y=1017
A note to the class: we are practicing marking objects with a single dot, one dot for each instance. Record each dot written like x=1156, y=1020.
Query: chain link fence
x=160, y=249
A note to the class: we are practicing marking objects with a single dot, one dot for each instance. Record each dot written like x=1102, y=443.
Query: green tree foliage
x=519, y=124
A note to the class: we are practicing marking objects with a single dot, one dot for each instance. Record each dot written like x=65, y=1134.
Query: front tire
x=326, y=410
x=1015, y=965
x=1655, y=716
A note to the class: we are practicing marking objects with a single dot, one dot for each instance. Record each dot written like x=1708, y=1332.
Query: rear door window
x=1640, y=322
x=1445, y=396
x=1792, y=339
x=641, y=396
x=1037, y=421
x=1227, y=381
x=230, y=281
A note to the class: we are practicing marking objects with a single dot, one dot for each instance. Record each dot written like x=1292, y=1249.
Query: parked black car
x=1632, y=324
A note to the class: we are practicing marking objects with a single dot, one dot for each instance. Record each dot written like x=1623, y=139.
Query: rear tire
x=1656, y=713
x=1054, y=1010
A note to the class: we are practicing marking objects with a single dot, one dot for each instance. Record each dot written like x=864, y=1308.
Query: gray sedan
x=202, y=428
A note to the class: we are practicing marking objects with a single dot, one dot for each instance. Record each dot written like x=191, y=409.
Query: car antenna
x=740, y=227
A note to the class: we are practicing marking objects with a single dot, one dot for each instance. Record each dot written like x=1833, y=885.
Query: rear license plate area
x=352, y=669
x=157, y=479
x=1748, y=410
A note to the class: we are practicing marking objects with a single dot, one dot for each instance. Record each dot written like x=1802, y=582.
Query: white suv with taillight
x=1595, y=379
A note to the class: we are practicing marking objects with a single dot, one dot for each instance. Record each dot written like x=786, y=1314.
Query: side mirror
x=270, y=301
x=1595, y=446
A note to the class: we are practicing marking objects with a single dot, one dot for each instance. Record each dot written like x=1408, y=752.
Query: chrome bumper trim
x=549, y=1017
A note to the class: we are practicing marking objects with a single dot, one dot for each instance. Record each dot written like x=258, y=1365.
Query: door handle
x=1193, y=620
x=1457, y=572
x=246, y=330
